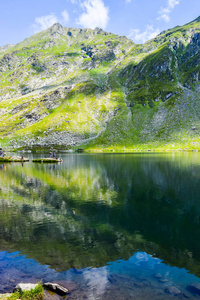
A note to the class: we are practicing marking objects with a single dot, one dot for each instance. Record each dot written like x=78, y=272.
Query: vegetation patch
x=34, y=294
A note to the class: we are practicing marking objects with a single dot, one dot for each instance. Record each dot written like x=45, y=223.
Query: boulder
x=24, y=287
x=56, y=288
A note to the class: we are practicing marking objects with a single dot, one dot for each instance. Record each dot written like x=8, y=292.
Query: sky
x=139, y=20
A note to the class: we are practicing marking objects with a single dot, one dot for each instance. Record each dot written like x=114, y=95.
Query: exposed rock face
x=105, y=55
x=57, y=29
x=8, y=63
x=67, y=139
x=6, y=47
x=54, y=99
x=194, y=46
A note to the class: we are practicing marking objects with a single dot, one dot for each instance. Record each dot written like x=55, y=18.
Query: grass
x=33, y=294
x=46, y=160
x=12, y=159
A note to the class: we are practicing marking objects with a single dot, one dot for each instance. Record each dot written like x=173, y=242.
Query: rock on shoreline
x=56, y=290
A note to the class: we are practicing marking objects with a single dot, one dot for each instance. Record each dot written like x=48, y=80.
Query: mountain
x=6, y=47
x=68, y=87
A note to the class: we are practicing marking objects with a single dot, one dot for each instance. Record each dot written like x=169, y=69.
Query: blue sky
x=140, y=20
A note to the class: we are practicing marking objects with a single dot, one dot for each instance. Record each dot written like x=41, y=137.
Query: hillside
x=67, y=87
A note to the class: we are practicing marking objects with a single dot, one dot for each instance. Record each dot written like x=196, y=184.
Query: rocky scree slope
x=66, y=87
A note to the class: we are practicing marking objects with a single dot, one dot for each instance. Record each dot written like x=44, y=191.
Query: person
x=3, y=154
x=22, y=157
x=50, y=154
x=54, y=155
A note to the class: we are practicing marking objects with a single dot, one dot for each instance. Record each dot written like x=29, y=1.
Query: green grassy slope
x=67, y=87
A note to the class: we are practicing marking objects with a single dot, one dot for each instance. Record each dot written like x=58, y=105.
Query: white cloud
x=65, y=16
x=164, y=13
x=95, y=14
x=164, y=17
x=128, y=1
x=44, y=22
x=140, y=37
x=173, y=3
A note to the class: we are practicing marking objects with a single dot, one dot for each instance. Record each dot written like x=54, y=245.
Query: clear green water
x=107, y=225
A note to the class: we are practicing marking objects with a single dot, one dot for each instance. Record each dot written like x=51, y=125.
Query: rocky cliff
x=65, y=87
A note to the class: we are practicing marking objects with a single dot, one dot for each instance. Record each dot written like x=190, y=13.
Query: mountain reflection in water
x=95, y=209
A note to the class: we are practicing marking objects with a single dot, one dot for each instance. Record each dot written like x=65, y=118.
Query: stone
x=56, y=288
x=24, y=287
x=187, y=295
x=158, y=275
x=172, y=290
x=112, y=279
x=163, y=280
x=48, y=296
x=139, y=284
x=194, y=288
x=70, y=285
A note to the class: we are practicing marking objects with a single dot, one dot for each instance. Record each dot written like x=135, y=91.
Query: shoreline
x=136, y=149
x=122, y=151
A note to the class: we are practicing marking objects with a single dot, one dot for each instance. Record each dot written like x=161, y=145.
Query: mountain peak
x=6, y=47
x=56, y=28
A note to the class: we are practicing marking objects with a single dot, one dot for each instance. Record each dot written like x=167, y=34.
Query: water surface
x=107, y=225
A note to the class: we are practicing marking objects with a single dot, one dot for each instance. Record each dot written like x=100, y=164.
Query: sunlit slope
x=68, y=87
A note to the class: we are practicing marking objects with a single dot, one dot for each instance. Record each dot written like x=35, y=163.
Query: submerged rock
x=48, y=296
x=194, y=287
x=139, y=284
x=172, y=290
x=163, y=280
x=157, y=275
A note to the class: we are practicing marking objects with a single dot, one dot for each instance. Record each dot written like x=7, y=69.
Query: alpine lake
x=107, y=226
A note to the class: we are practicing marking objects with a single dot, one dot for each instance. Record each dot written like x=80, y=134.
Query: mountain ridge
x=68, y=87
